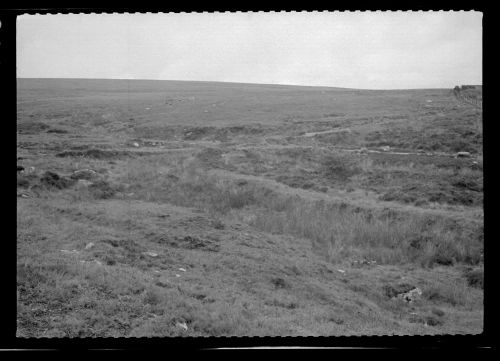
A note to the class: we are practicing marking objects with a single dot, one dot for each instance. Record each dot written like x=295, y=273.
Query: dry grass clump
x=343, y=233
x=339, y=167
x=188, y=184
x=337, y=232
x=475, y=278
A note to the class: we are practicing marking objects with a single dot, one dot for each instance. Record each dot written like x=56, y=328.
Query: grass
x=193, y=233
x=335, y=232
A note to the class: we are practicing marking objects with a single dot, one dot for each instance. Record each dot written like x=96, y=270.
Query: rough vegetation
x=199, y=209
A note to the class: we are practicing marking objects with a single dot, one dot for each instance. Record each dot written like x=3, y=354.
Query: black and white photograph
x=249, y=174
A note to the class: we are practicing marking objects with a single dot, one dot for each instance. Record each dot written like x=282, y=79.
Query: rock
x=385, y=148
x=20, y=168
x=86, y=174
x=82, y=183
x=341, y=270
x=395, y=291
x=151, y=254
x=89, y=245
x=68, y=251
x=363, y=262
x=411, y=295
x=135, y=144
x=182, y=269
x=182, y=325
x=462, y=155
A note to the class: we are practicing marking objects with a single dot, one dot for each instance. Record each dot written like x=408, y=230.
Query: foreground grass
x=254, y=284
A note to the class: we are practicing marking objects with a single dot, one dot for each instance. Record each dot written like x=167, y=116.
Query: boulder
x=463, y=155
x=83, y=183
x=410, y=296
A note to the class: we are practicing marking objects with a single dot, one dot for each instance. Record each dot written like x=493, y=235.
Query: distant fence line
x=478, y=103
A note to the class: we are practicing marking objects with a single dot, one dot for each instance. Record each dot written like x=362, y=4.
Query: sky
x=364, y=50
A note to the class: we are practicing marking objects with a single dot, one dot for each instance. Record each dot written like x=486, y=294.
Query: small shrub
x=152, y=297
x=433, y=321
x=54, y=180
x=475, y=278
x=438, y=312
x=394, y=291
x=339, y=167
x=102, y=190
x=279, y=283
x=22, y=181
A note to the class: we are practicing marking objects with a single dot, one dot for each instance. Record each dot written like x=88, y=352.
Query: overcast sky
x=370, y=50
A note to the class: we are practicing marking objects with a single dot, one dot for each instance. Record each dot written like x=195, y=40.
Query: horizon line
x=243, y=83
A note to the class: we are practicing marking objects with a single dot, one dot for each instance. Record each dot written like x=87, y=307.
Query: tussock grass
x=338, y=232
x=344, y=233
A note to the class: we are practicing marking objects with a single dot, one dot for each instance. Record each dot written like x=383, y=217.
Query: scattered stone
x=151, y=254
x=363, y=262
x=82, y=183
x=89, y=245
x=462, y=155
x=182, y=269
x=403, y=291
x=135, y=144
x=177, y=275
x=69, y=252
x=279, y=283
x=394, y=291
x=341, y=270
x=411, y=295
x=385, y=148
x=23, y=195
x=86, y=174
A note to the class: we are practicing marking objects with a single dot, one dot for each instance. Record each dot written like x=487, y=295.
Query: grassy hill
x=158, y=208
